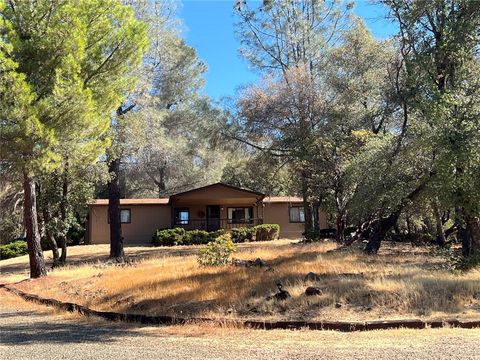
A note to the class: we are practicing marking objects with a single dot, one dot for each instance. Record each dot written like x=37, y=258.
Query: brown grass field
x=400, y=282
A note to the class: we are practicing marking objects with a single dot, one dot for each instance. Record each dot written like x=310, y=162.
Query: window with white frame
x=297, y=214
x=240, y=215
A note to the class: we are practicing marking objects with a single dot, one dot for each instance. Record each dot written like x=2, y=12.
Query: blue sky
x=209, y=28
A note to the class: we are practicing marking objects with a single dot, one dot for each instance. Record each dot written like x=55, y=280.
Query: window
x=182, y=216
x=125, y=216
x=240, y=215
x=297, y=214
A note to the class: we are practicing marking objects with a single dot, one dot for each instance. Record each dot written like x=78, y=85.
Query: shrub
x=196, y=237
x=267, y=232
x=217, y=252
x=169, y=237
x=242, y=234
x=466, y=263
x=201, y=237
x=14, y=249
x=178, y=236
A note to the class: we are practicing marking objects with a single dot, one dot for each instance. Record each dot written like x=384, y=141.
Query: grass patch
x=401, y=282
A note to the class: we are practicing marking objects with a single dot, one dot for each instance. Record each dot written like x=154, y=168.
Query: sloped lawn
x=401, y=282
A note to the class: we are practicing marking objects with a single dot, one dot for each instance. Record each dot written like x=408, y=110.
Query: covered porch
x=215, y=207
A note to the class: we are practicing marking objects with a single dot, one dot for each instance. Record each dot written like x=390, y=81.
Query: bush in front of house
x=200, y=237
x=217, y=252
x=14, y=249
x=178, y=236
x=242, y=234
x=169, y=237
x=267, y=232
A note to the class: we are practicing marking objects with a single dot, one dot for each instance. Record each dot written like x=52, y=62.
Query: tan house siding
x=278, y=213
x=145, y=219
x=148, y=215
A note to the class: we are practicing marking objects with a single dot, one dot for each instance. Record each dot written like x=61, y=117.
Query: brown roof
x=220, y=184
x=282, y=199
x=163, y=201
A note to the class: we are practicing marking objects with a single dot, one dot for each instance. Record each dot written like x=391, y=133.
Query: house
x=212, y=207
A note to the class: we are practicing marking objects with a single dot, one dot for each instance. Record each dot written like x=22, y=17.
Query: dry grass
x=400, y=282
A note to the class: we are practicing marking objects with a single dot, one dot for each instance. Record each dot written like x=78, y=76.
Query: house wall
x=278, y=213
x=145, y=219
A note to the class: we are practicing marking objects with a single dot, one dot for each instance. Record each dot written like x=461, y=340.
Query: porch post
x=172, y=214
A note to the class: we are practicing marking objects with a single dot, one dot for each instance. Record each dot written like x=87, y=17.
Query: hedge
x=14, y=249
x=178, y=236
x=267, y=232
x=200, y=237
x=169, y=237
x=242, y=234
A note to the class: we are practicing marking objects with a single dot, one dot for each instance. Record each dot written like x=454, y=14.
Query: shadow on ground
x=29, y=327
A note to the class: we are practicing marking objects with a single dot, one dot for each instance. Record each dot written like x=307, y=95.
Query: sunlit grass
x=400, y=282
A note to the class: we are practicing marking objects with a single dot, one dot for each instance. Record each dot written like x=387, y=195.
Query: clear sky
x=209, y=28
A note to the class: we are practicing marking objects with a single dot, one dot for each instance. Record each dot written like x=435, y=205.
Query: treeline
x=385, y=135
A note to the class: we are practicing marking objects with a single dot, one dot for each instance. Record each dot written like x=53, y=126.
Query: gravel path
x=32, y=334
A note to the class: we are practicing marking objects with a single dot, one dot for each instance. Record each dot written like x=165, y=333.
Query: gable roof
x=219, y=184
x=165, y=201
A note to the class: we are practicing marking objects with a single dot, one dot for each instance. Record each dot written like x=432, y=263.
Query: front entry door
x=213, y=217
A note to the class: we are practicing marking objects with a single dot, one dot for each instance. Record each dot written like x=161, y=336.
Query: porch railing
x=215, y=224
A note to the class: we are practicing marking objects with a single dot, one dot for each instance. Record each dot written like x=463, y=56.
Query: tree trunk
x=307, y=209
x=475, y=233
x=63, y=214
x=37, y=262
x=379, y=229
x=161, y=180
x=116, y=239
x=440, y=235
x=469, y=235
x=341, y=224
x=49, y=236
x=316, y=218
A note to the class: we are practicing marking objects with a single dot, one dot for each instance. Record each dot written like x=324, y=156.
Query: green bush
x=178, y=236
x=201, y=237
x=169, y=237
x=14, y=249
x=217, y=252
x=267, y=232
x=466, y=263
x=242, y=234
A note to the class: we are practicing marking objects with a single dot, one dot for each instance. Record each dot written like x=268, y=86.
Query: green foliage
x=242, y=234
x=200, y=237
x=217, y=252
x=178, y=236
x=267, y=232
x=169, y=237
x=9, y=230
x=455, y=259
x=466, y=263
x=14, y=249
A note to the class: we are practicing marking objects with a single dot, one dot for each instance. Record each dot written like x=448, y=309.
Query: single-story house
x=212, y=207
